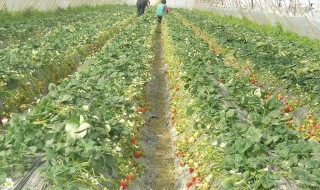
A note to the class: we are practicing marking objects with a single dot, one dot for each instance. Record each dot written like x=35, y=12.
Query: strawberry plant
x=244, y=55
x=31, y=65
x=239, y=141
x=83, y=128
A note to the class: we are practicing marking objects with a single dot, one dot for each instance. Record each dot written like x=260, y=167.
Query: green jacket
x=160, y=9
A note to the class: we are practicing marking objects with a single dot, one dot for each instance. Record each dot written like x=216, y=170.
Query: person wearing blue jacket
x=161, y=9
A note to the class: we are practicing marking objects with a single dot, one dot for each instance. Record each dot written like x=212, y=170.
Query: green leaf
x=257, y=92
x=108, y=128
x=33, y=149
x=271, y=102
x=77, y=132
x=52, y=87
x=189, y=111
x=266, y=120
x=254, y=116
x=66, y=98
x=316, y=89
x=227, y=184
x=230, y=113
x=82, y=130
x=274, y=114
x=293, y=161
x=254, y=134
x=71, y=129
x=50, y=154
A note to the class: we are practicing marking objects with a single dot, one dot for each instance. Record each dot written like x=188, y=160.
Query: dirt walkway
x=158, y=158
x=163, y=156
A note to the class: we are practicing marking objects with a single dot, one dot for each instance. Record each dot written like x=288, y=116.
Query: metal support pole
x=54, y=1
x=25, y=5
x=79, y=3
x=3, y=4
x=40, y=4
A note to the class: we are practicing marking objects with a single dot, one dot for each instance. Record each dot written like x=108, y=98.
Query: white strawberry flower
x=223, y=145
x=5, y=120
x=85, y=107
x=214, y=143
x=8, y=184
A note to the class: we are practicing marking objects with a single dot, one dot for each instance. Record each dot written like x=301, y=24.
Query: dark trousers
x=141, y=7
x=159, y=19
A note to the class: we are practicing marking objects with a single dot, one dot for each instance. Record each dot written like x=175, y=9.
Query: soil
x=157, y=144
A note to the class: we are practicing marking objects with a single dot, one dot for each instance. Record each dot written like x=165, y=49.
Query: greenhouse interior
x=159, y=94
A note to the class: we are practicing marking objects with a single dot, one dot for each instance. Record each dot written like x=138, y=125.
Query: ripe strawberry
x=123, y=184
x=137, y=155
x=288, y=108
x=193, y=179
x=311, y=132
x=139, y=110
x=251, y=75
x=128, y=178
x=191, y=170
x=254, y=81
x=189, y=184
x=133, y=140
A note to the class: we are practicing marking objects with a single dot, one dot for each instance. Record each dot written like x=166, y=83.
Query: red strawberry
x=137, y=154
x=311, y=132
x=139, y=110
x=251, y=75
x=254, y=81
x=288, y=108
x=189, y=184
x=128, y=178
x=191, y=170
x=133, y=140
x=123, y=184
x=193, y=179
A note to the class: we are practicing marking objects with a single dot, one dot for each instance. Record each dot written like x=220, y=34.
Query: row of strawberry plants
x=28, y=67
x=296, y=99
x=17, y=27
x=227, y=142
x=86, y=128
x=294, y=62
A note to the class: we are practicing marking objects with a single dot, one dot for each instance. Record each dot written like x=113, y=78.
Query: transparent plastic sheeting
x=299, y=16
x=181, y=3
x=19, y=5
